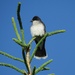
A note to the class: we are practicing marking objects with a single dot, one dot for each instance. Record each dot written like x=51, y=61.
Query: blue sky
x=56, y=14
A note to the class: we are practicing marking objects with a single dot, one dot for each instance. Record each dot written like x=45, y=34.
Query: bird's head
x=35, y=18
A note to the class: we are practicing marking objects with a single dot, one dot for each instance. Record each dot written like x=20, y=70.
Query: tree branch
x=20, y=22
x=33, y=72
x=18, y=15
x=10, y=56
x=19, y=42
x=45, y=68
x=13, y=67
x=31, y=40
x=28, y=60
x=15, y=29
x=55, y=32
x=43, y=65
x=25, y=61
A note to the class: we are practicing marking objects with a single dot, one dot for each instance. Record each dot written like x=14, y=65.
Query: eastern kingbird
x=38, y=30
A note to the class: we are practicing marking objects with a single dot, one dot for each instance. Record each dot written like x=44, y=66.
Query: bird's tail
x=40, y=53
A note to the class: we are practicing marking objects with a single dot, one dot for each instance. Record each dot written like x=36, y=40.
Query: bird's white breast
x=37, y=29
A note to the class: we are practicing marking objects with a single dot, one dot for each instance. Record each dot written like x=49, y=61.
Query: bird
x=38, y=30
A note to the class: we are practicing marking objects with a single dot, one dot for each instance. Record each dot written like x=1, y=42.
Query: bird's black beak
x=31, y=21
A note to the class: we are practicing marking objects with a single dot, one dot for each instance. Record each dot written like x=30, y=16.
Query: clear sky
x=56, y=14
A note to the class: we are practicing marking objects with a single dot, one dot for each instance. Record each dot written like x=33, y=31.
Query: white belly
x=37, y=30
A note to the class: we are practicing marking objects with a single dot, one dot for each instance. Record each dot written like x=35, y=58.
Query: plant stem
x=19, y=42
x=45, y=68
x=10, y=56
x=24, y=57
x=31, y=40
x=20, y=22
x=28, y=60
x=55, y=32
x=15, y=29
x=18, y=15
x=33, y=72
x=13, y=67
x=42, y=66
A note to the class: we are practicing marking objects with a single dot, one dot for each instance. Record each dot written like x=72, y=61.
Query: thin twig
x=19, y=42
x=20, y=22
x=55, y=32
x=13, y=67
x=31, y=40
x=45, y=68
x=43, y=65
x=33, y=72
x=18, y=15
x=10, y=56
x=15, y=29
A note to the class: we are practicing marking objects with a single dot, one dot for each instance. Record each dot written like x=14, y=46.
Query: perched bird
x=38, y=30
